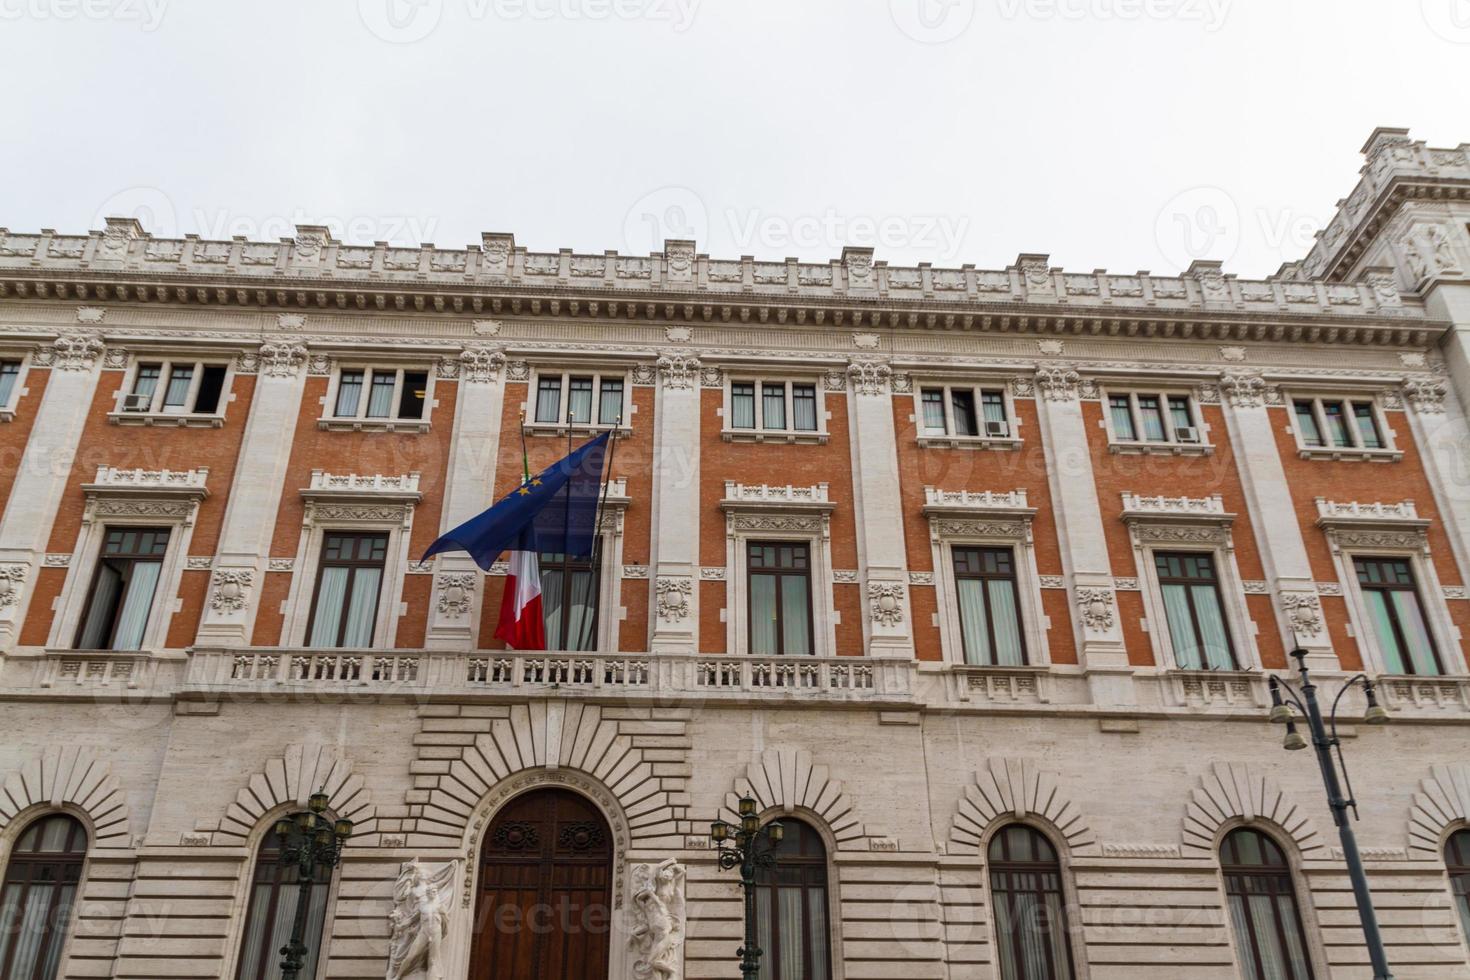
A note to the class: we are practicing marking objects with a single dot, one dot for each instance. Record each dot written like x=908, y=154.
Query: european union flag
x=558, y=506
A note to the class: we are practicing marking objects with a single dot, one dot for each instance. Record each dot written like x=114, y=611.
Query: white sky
x=1119, y=134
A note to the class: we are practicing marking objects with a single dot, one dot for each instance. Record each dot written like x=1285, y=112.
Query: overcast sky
x=1118, y=134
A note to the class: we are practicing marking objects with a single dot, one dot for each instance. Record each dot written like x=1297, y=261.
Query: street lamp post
x=1326, y=742
x=307, y=841
x=748, y=847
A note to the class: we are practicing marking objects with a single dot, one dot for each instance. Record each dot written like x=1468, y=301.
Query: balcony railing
x=432, y=672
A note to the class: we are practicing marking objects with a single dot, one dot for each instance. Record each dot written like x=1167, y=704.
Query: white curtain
x=349, y=391
x=1212, y=628
x=773, y=406
x=973, y=620
x=742, y=407
x=763, y=615
x=789, y=906
x=142, y=581
x=1416, y=632
x=1181, y=627
x=329, y=597
x=817, y=910
x=763, y=933
x=584, y=605
x=1393, y=657
x=99, y=613
x=611, y=408
x=1008, y=646
x=363, y=608
x=794, y=609
x=380, y=398
x=804, y=408
x=548, y=400
x=177, y=393
x=551, y=600
x=579, y=400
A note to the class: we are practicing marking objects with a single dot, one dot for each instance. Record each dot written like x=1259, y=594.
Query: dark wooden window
x=270, y=911
x=381, y=393
x=1457, y=861
x=1030, y=907
x=345, y=606
x=780, y=586
x=122, y=588
x=1263, y=908
x=1195, y=613
x=37, y=898
x=791, y=908
x=1398, y=621
x=569, y=599
x=990, y=612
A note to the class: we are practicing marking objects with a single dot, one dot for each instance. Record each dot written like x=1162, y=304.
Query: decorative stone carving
x=673, y=598
x=1443, y=801
x=657, y=934
x=230, y=589
x=1096, y=606
x=91, y=314
x=1054, y=348
x=480, y=364
x=281, y=360
x=422, y=897
x=517, y=371
x=70, y=352
x=869, y=377
x=679, y=371
x=1058, y=384
x=1233, y=790
x=865, y=341
x=678, y=335
x=1426, y=395
x=1244, y=390
x=886, y=602
x=291, y=321
x=1232, y=353
x=1010, y=789
x=281, y=565
x=635, y=571
x=1303, y=611
x=12, y=578
x=456, y=593
x=1052, y=581
x=845, y=576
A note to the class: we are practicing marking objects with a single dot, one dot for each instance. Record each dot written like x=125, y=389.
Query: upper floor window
x=1392, y=600
x=990, y=618
x=175, y=388
x=1457, y=862
x=1191, y=591
x=780, y=584
x=579, y=399
x=951, y=414
x=1030, y=908
x=569, y=587
x=38, y=896
x=1269, y=939
x=9, y=381
x=121, y=597
x=275, y=890
x=1332, y=427
x=760, y=410
x=1154, y=418
x=381, y=394
x=349, y=579
x=791, y=907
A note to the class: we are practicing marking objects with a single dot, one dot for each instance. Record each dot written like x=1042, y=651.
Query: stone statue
x=657, y=936
x=420, y=919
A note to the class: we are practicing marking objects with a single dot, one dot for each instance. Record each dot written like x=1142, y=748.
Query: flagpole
x=564, y=609
x=598, y=556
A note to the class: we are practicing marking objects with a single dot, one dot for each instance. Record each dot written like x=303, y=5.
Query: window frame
x=1414, y=588
x=18, y=390
x=58, y=859
x=1066, y=879
x=1458, y=875
x=1290, y=871
x=560, y=427
x=259, y=840
x=779, y=521
x=828, y=888
x=780, y=574
x=361, y=422
x=1014, y=578
x=1387, y=453
x=760, y=432
x=131, y=559
x=977, y=389
x=159, y=414
x=352, y=564
x=1171, y=444
x=1218, y=582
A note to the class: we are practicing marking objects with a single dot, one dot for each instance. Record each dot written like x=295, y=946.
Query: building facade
x=972, y=579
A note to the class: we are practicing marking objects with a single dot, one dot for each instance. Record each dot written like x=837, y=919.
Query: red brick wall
x=15, y=434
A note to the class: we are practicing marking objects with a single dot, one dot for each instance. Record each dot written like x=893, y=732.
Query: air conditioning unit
x=1186, y=433
x=137, y=403
x=997, y=430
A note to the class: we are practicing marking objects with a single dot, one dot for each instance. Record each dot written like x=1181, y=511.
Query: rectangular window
x=1153, y=418
x=967, y=412
x=804, y=408
x=610, y=403
x=9, y=375
x=211, y=387
x=993, y=413
x=569, y=600
x=180, y=380
x=742, y=405
x=1368, y=435
x=384, y=394
x=932, y=402
x=1389, y=592
x=349, y=393
x=780, y=581
x=176, y=388
x=990, y=617
x=380, y=395
x=962, y=405
x=1306, y=424
x=579, y=401
x=1336, y=423
x=548, y=400
x=345, y=607
x=1122, y=411
x=773, y=405
x=1196, y=615
x=412, y=397
x=1337, y=427
x=122, y=588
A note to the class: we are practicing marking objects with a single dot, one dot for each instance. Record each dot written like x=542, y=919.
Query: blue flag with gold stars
x=558, y=506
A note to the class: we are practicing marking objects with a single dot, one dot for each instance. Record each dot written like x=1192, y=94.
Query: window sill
x=547, y=429
x=7, y=415
x=1161, y=448
x=373, y=425
x=1341, y=454
x=183, y=420
x=771, y=435
x=969, y=442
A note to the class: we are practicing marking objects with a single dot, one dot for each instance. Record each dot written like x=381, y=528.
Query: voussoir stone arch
x=70, y=777
x=787, y=779
x=1234, y=791
x=1443, y=801
x=289, y=781
x=1017, y=789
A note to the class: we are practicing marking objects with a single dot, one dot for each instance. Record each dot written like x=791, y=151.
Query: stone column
x=250, y=515
x=45, y=470
x=878, y=511
x=468, y=489
x=1273, y=516
x=675, y=611
x=1085, y=559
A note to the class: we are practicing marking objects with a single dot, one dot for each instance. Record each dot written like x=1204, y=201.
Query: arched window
x=271, y=908
x=1457, y=859
x=1030, y=909
x=791, y=908
x=1263, y=908
x=40, y=890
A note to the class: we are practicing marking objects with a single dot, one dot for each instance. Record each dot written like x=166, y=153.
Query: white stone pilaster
x=454, y=607
x=674, y=602
x=255, y=495
x=878, y=511
x=1096, y=625
x=1273, y=517
x=45, y=468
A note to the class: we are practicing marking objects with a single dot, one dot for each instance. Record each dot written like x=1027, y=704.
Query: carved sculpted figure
x=420, y=920
x=658, y=912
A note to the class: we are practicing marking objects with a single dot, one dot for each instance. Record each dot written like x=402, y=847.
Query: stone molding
x=1009, y=789
x=1235, y=791
x=303, y=769
x=787, y=780
x=1443, y=801
x=70, y=776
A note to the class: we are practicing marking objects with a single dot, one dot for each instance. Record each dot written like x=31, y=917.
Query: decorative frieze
x=886, y=602
x=280, y=360
x=229, y=589
x=673, y=598
x=1426, y=395
x=1303, y=611
x=70, y=352
x=1096, y=607
x=456, y=593
x=678, y=371
x=869, y=377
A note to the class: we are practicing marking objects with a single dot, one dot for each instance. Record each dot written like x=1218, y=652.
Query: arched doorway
x=544, y=909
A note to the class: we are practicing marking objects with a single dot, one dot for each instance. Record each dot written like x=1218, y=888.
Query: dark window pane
x=211, y=386
x=1368, y=435
x=962, y=403
x=1306, y=423
x=411, y=398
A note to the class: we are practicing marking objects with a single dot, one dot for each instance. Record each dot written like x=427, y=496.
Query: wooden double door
x=544, y=908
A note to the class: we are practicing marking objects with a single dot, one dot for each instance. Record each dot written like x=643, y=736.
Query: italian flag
x=522, y=625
